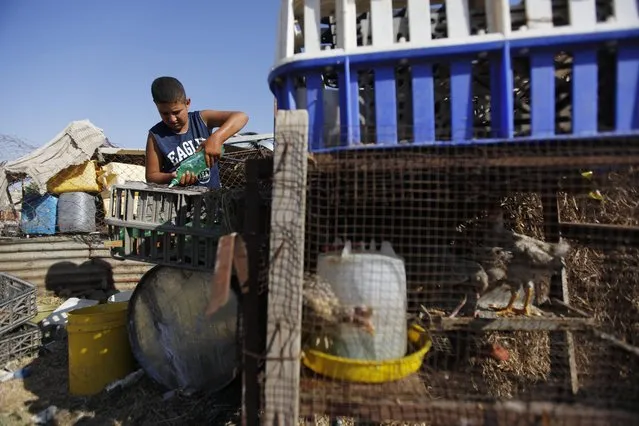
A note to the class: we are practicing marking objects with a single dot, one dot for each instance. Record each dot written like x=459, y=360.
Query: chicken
x=528, y=260
x=323, y=312
x=486, y=271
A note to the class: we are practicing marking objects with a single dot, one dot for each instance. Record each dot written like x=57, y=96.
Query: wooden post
x=286, y=268
x=562, y=343
x=254, y=305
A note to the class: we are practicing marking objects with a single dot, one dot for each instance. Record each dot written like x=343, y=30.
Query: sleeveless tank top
x=176, y=148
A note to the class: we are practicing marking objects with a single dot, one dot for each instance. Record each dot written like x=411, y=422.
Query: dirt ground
x=141, y=404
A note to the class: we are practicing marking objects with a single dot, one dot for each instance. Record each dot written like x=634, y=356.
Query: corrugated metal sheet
x=51, y=262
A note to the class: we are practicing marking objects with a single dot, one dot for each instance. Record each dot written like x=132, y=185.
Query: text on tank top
x=176, y=148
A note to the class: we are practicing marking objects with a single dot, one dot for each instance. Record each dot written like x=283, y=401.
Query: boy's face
x=174, y=114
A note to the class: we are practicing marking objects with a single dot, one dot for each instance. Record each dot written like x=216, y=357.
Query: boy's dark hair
x=167, y=90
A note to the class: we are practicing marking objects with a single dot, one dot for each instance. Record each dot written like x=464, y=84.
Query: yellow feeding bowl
x=352, y=370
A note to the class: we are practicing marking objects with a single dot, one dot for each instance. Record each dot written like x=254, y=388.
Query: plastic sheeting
x=74, y=145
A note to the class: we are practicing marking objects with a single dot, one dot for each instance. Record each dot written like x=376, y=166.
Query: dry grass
x=603, y=283
x=528, y=363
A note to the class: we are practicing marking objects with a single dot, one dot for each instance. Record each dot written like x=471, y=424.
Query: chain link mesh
x=59, y=240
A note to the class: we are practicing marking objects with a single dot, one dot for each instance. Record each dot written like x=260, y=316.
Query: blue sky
x=65, y=60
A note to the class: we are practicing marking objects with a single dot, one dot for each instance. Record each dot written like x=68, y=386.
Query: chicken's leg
x=508, y=309
x=527, y=299
x=458, y=308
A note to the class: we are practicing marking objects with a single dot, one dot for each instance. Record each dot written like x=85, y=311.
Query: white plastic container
x=376, y=279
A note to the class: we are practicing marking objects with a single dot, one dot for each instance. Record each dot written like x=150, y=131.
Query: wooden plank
x=562, y=344
x=447, y=412
x=221, y=282
x=512, y=324
x=601, y=235
x=286, y=268
x=563, y=155
x=315, y=388
x=253, y=306
x=616, y=342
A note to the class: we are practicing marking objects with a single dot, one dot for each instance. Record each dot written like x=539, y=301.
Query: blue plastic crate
x=39, y=214
x=506, y=86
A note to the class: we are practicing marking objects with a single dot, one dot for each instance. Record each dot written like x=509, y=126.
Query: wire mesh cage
x=411, y=258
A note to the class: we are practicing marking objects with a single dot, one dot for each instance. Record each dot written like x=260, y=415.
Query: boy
x=181, y=134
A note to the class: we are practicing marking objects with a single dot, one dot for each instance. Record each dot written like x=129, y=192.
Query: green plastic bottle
x=195, y=164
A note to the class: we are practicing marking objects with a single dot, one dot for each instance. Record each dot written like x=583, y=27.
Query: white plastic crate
x=458, y=70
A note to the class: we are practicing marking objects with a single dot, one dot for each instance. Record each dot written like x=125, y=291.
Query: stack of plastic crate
x=382, y=73
x=18, y=337
x=167, y=226
x=179, y=226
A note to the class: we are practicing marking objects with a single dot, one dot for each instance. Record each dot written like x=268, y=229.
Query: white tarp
x=74, y=145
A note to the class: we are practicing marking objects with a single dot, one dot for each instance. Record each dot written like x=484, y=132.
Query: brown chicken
x=528, y=261
x=323, y=312
x=486, y=271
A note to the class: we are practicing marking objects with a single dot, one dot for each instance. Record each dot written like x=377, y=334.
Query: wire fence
x=76, y=199
x=439, y=283
x=390, y=273
x=69, y=216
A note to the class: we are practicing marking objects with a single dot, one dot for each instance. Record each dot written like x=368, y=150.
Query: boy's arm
x=153, y=162
x=228, y=124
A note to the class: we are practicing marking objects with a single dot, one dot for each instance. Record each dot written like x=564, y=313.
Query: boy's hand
x=187, y=179
x=212, y=150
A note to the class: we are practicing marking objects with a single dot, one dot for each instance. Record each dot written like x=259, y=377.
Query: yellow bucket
x=99, y=350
